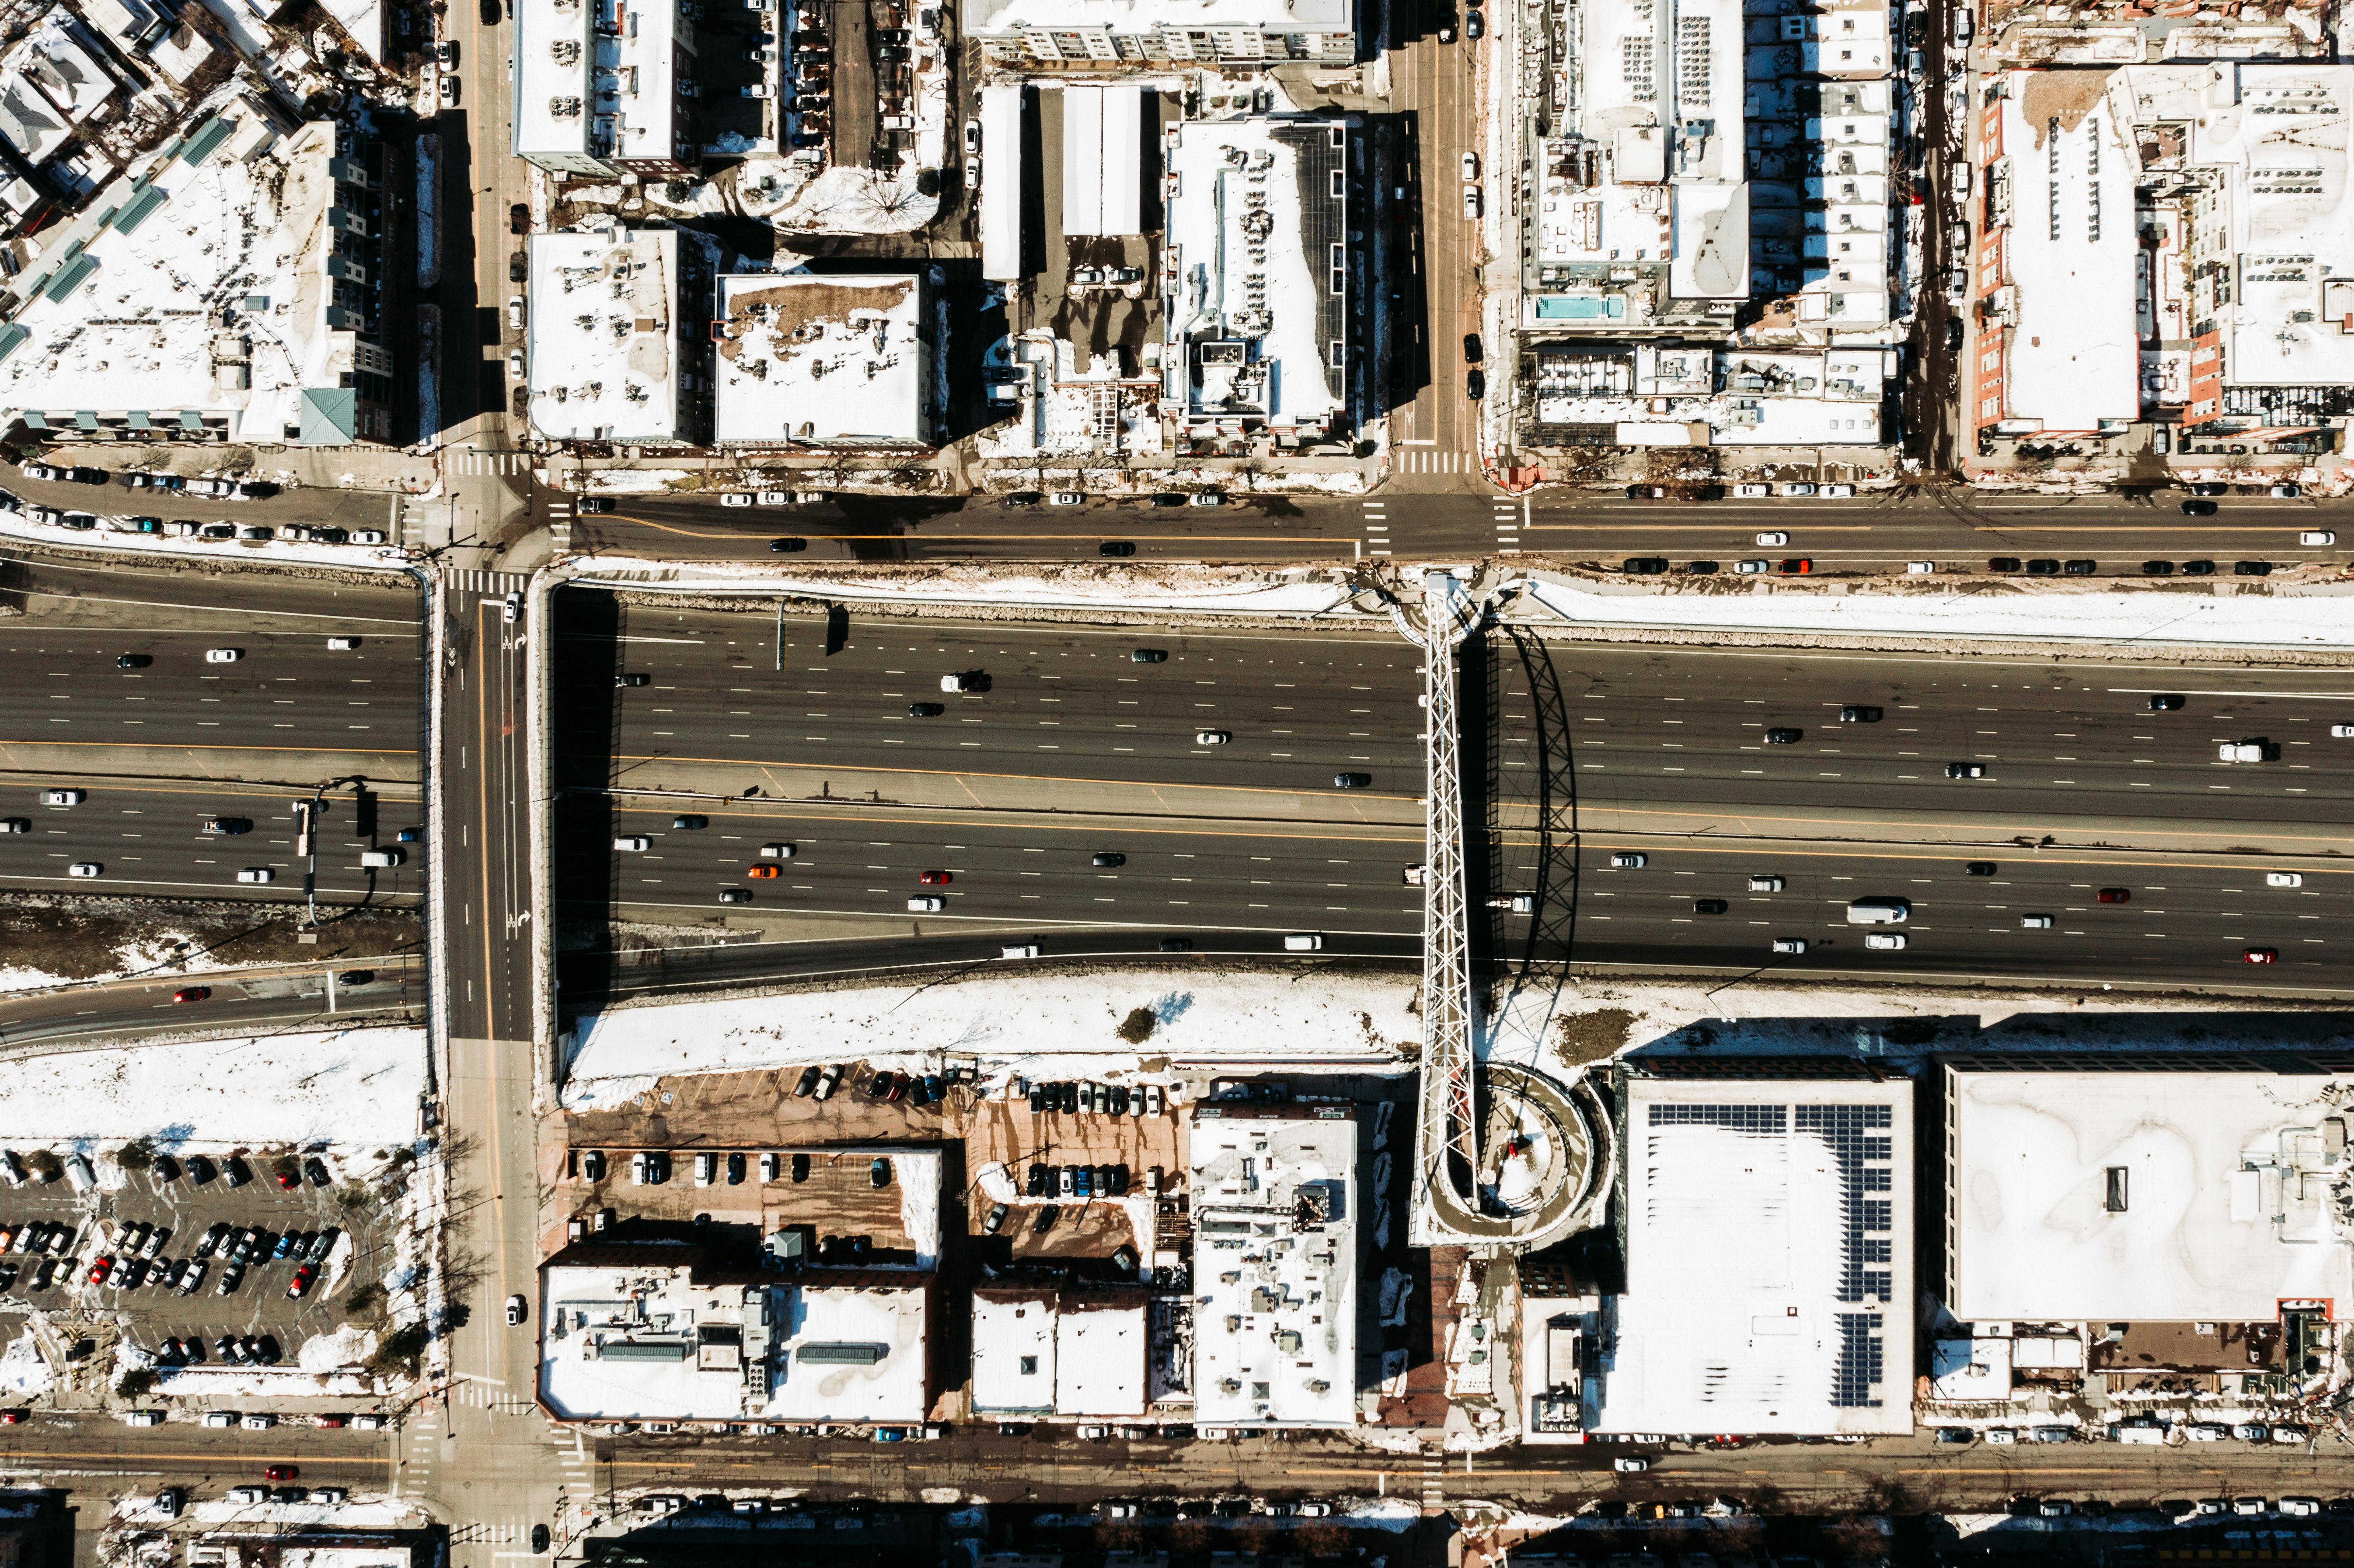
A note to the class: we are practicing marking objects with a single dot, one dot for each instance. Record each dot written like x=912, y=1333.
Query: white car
x=775, y=498
x=1798, y=487
x=1765, y=540
x=2239, y=751
x=223, y=655
x=220, y=1418
x=1752, y=568
x=257, y=874
x=514, y=312
x=1211, y=736
x=633, y=842
x=2300, y=1508
x=1067, y=498
x=84, y=868
x=64, y=796
x=1629, y=860
x=514, y=1310
x=736, y=498
x=1752, y=492
x=928, y=903
x=1879, y=911
x=779, y=852
x=1470, y=168
x=1303, y=942
x=1765, y=884
x=2002, y=1437
x=1206, y=498
x=1627, y=1464
x=2341, y=731
x=706, y=1169
x=2284, y=492
x=1920, y=568
x=1472, y=202
x=1838, y=492
x=2284, y=879
x=2035, y=922
x=1884, y=941
x=342, y=644
x=367, y=536
x=211, y=487
x=1789, y=944
x=2317, y=536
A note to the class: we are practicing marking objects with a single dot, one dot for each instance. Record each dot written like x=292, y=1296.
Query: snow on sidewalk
x=349, y=1087
x=1162, y=587
x=2032, y=614
x=1017, y=1022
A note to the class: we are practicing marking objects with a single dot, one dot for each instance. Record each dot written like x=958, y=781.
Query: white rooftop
x=1275, y=1308
x=603, y=354
x=2225, y=1181
x=1013, y=1352
x=822, y=358
x=169, y=303
x=54, y=61
x=1768, y=1260
x=1099, y=1357
x=1004, y=18
x=586, y=93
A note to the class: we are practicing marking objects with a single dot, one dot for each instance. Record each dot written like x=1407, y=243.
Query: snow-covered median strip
x=347, y=1088
x=1024, y=1024
x=1176, y=587
x=2286, y=616
x=359, y=557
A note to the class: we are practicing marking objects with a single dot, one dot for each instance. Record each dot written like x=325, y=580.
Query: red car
x=1796, y=567
x=10, y=1417
x=934, y=878
x=2260, y=956
x=281, y=1472
x=300, y=1285
x=192, y=993
x=101, y=1269
x=329, y=1421
x=286, y=1181
x=2116, y=895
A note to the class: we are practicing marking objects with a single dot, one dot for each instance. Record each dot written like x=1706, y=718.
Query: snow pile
x=2225, y=617
x=345, y=1086
x=23, y=1371
x=847, y=200
x=1023, y=1022
x=348, y=1346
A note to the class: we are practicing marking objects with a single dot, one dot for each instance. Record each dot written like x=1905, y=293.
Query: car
x=1475, y=26
x=1067, y=498
x=99, y=1268
x=2196, y=508
x=1213, y=736
x=1352, y=781
x=1751, y=568
x=1884, y=941
x=2167, y=702
x=2243, y=751
x=1953, y=333
x=210, y=1242
x=2002, y=563
x=1206, y=498
x=734, y=895
x=1796, y=567
x=193, y=993
x=1956, y=1436
x=1840, y=492
x=232, y=1275
x=1644, y=566
x=1446, y=31
x=2316, y=538
x=689, y=823
x=1783, y=735
x=367, y=536
x=762, y=872
x=1108, y=860
x=825, y=1087
x=2158, y=568
x=84, y=868
x=1472, y=353
x=449, y=89
x=515, y=1311
x=2260, y=956
x=300, y=1285
x=2114, y=896
x=1965, y=771
x=223, y=655
x=632, y=842
x=931, y=904
x=2198, y=568
x=2284, y=491
x=1773, y=538
x=1475, y=384
x=2252, y=568
x=633, y=678
x=1789, y=944
x=1858, y=714
x=1708, y=905
x=1979, y=868
x=1628, y=860
x=878, y=1173
x=226, y=827
x=1631, y=1464
x=2080, y=568
x=43, y=471
x=1766, y=885
x=1116, y=549
x=1472, y=202
x=280, y=1472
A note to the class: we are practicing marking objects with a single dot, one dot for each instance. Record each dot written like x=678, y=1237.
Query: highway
x=264, y=999
x=1958, y=528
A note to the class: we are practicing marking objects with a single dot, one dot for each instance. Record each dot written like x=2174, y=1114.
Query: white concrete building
x=604, y=347
x=823, y=360
x=605, y=88
x=223, y=288
x=1768, y=1255
x=2206, y=1194
x=1073, y=1353
x=1275, y=1266
x=1116, y=35
x=1641, y=394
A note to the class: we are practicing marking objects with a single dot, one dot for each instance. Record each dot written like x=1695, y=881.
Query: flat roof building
x=604, y=88
x=823, y=360
x=1275, y=1266
x=2143, y=1191
x=604, y=344
x=1045, y=1350
x=1768, y=1260
x=227, y=286
x=1113, y=35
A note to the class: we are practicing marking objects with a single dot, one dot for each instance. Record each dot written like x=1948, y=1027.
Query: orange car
x=762, y=873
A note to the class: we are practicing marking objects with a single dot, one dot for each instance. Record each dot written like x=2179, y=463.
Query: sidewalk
x=327, y=468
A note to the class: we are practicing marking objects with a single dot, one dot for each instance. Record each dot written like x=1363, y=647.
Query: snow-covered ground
x=345, y=1086
x=1171, y=588
x=1029, y=1023
x=14, y=525
x=2224, y=618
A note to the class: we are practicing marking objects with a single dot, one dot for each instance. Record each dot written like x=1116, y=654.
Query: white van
x=78, y=1173
x=1019, y=950
x=1878, y=911
x=1303, y=942
x=382, y=859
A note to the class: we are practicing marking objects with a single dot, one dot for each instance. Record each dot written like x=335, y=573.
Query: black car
x=1170, y=498
x=133, y=660
x=689, y=823
x=1038, y=1106
x=807, y=1084
x=2198, y=568
x=1036, y=1187
x=1147, y=656
x=519, y=219
x=787, y=546
x=1045, y=1220
x=1953, y=333
x=592, y=505
x=2252, y=568
x=1020, y=498
x=1176, y=944
x=2158, y=568
x=1701, y=569
x=1471, y=351
x=2002, y=563
x=1708, y=905
x=518, y=268
x=2211, y=489
x=1103, y=1181
x=878, y=1088
x=1475, y=382
x=315, y=1170
x=2080, y=569
x=1858, y=714
x=2198, y=509
x=734, y=1171
x=2044, y=567
x=1352, y=781
x=1118, y=549
x=89, y=475
x=1119, y=1099
x=633, y=678
x=1781, y=735
x=925, y=710
x=1119, y=1181
x=1644, y=566
x=1110, y=858
x=2166, y=702
x=1474, y=25
x=1981, y=868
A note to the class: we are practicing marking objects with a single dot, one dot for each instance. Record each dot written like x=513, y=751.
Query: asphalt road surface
x=1958, y=529
x=265, y=999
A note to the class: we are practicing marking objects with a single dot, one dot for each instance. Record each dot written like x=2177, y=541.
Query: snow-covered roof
x=592, y=91
x=1001, y=196
x=1746, y=398
x=198, y=283
x=1099, y=1357
x=29, y=122
x=823, y=359
x=1768, y=1259
x=554, y=50
x=361, y=22
x=1962, y=1370
x=1013, y=1352
x=2157, y=1195
x=1005, y=19
x=1103, y=174
x=1259, y=310
x=1275, y=1266
x=68, y=74
x=2074, y=352
x=603, y=356
x=628, y=1334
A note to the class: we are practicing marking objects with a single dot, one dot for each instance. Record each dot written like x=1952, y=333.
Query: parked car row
x=1072, y=1099
x=231, y=1350
x=1108, y=1180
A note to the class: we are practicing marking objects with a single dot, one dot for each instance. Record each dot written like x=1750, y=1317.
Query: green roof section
x=12, y=338
x=330, y=417
x=76, y=273
x=210, y=135
x=140, y=208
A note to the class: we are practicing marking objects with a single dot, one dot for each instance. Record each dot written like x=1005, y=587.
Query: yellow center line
x=910, y=537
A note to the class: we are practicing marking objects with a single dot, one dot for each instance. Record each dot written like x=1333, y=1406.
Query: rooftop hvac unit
x=564, y=108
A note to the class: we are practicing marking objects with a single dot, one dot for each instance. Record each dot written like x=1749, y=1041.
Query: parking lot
x=74, y=1231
